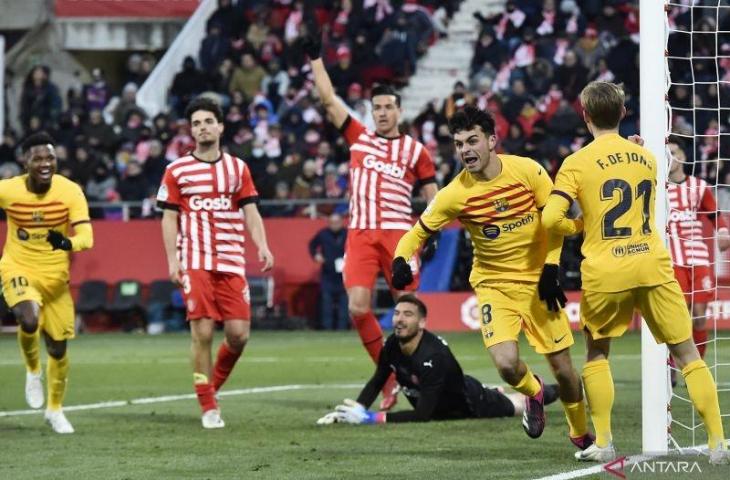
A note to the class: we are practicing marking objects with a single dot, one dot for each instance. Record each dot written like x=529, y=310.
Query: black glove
x=402, y=275
x=430, y=247
x=312, y=45
x=549, y=288
x=58, y=241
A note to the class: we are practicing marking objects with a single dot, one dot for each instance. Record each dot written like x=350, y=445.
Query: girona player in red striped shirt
x=689, y=199
x=207, y=198
x=384, y=167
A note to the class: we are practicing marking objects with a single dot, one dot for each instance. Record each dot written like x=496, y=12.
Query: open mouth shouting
x=470, y=160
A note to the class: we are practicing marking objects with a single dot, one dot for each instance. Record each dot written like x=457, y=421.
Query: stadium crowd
x=529, y=64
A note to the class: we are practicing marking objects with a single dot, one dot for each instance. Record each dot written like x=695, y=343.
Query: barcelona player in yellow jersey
x=498, y=198
x=41, y=208
x=626, y=266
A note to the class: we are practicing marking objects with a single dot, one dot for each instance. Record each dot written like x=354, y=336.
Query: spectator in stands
x=397, y=48
x=99, y=135
x=284, y=208
x=96, y=93
x=307, y=182
x=275, y=84
x=134, y=73
x=134, y=187
x=488, y=50
x=213, y=49
x=343, y=74
x=83, y=165
x=227, y=19
x=118, y=109
x=327, y=248
x=247, y=77
x=8, y=146
x=156, y=163
x=40, y=98
x=101, y=187
x=186, y=85
x=572, y=76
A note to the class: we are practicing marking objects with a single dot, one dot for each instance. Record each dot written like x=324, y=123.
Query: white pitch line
x=187, y=396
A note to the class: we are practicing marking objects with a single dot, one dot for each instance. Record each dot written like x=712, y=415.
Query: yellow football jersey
x=31, y=216
x=614, y=181
x=502, y=216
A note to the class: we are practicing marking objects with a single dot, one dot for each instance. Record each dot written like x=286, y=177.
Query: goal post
x=653, y=128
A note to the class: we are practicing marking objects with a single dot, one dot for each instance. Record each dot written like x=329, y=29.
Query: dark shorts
x=486, y=402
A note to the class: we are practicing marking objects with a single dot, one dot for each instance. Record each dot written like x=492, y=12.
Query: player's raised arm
x=335, y=110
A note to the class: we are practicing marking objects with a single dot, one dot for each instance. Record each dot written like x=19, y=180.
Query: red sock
x=370, y=332
x=224, y=363
x=206, y=396
x=700, y=338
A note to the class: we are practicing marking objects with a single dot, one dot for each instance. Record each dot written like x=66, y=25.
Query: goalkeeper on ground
x=430, y=378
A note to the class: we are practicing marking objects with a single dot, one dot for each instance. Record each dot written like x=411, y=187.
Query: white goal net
x=697, y=135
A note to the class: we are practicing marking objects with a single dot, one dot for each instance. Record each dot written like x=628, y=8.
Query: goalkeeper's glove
x=312, y=45
x=354, y=413
x=328, y=419
x=58, y=241
x=402, y=274
x=549, y=288
x=430, y=247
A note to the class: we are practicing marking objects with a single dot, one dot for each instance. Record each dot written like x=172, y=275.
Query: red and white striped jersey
x=688, y=201
x=209, y=197
x=383, y=172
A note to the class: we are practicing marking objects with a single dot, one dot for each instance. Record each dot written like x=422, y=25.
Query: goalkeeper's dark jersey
x=434, y=383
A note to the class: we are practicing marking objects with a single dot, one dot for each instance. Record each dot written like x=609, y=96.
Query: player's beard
x=405, y=339
x=206, y=143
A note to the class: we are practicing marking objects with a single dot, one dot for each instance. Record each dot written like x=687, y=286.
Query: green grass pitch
x=272, y=434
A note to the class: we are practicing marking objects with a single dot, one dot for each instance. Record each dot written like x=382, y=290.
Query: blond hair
x=603, y=102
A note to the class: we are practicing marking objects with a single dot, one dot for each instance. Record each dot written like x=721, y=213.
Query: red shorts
x=696, y=282
x=368, y=252
x=220, y=296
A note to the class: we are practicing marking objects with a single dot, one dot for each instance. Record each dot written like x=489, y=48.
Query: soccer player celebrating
x=689, y=198
x=498, y=199
x=626, y=265
x=430, y=378
x=384, y=167
x=41, y=206
x=207, y=198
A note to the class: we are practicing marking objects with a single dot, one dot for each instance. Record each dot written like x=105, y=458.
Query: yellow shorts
x=49, y=290
x=508, y=307
x=607, y=315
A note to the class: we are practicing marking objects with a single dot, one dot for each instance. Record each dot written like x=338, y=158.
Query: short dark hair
x=385, y=90
x=470, y=117
x=206, y=104
x=410, y=298
x=39, y=138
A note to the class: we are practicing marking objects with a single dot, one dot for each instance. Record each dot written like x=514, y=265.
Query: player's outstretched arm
x=255, y=225
x=335, y=110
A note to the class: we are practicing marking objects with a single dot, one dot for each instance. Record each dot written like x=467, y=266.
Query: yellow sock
x=575, y=414
x=57, y=375
x=703, y=393
x=598, y=384
x=30, y=348
x=199, y=378
x=528, y=385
